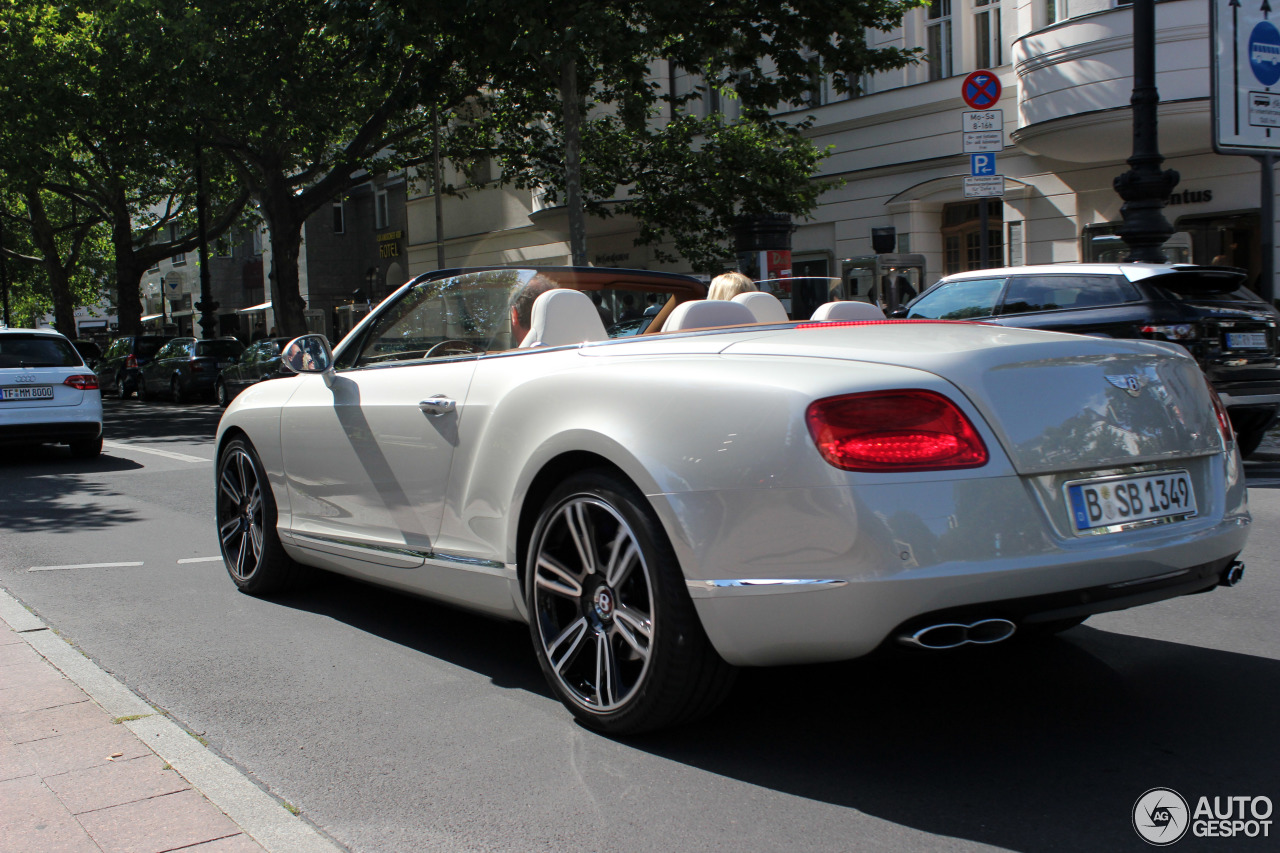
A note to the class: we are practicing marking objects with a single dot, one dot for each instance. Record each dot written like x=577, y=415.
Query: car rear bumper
x=809, y=575
x=59, y=432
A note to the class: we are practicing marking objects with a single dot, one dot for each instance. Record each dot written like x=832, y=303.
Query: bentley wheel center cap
x=604, y=602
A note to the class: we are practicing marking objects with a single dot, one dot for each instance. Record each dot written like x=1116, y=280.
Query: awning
x=147, y=317
x=263, y=307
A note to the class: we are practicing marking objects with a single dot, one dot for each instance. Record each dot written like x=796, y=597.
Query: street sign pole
x=1244, y=47
x=983, y=132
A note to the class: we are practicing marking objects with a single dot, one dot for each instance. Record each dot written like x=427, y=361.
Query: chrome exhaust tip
x=1233, y=575
x=952, y=635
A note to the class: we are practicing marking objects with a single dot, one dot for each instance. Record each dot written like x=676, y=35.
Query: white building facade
x=1066, y=68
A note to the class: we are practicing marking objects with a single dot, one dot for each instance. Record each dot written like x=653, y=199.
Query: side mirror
x=307, y=354
x=898, y=313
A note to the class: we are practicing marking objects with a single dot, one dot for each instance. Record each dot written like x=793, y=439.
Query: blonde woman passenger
x=730, y=284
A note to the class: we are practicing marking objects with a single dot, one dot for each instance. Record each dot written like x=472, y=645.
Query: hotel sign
x=389, y=244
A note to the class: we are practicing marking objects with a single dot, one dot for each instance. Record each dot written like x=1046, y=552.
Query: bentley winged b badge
x=1130, y=383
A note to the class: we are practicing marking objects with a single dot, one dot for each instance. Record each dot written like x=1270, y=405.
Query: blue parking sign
x=982, y=164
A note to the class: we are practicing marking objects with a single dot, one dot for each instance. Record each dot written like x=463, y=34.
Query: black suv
x=120, y=366
x=1230, y=330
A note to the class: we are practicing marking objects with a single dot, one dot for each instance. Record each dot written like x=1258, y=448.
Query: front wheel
x=613, y=626
x=246, y=516
x=220, y=392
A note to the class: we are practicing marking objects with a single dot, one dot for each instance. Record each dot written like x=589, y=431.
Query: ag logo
x=1160, y=816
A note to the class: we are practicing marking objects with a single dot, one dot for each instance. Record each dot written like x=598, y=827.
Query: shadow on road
x=155, y=422
x=1025, y=747
x=39, y=481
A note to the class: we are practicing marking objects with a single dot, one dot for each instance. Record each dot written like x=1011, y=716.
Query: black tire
x=122, y=389
x=89, y=448
x=246, y=519
x=619, y=607
x=175, y=391
x=220, y=393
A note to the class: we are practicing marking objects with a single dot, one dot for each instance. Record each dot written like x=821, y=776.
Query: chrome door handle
x=438, y=405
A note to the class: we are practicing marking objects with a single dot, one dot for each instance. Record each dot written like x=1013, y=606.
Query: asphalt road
x=395, y=724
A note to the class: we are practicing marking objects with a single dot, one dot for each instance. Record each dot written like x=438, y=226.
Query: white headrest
x=848, y=311
x=562, y=316
x=765, y=307
x=706, y=313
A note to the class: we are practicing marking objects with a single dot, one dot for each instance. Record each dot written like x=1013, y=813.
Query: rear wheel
x=612, y=623
x=1248, y=440
x=143, y=397
x=122, y=390
x=220, y=392
x=246, y=515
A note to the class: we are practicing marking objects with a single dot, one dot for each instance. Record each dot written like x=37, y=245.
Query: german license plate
x=27, y=392
x=1114, y=503
x=1247, y=340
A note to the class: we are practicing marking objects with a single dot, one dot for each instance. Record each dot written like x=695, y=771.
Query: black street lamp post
x=206, y=306
x=1145, y=188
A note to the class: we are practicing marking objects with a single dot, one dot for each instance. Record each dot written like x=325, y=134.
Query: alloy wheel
x=240, y=514
x=594, y=603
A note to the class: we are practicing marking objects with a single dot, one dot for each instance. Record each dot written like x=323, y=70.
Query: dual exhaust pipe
x=952, y=635
x=984, y=632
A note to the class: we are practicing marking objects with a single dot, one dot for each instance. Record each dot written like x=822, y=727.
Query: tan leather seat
x=560, y=317
x=708, y=313
x=765, y=307
x=836, y=311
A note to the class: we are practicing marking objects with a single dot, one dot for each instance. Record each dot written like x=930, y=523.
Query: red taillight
x=908, y=430
x=131, y=362
x=197, y=367
x=86, y=382
x=1224, y=422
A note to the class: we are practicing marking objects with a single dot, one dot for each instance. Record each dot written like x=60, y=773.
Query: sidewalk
x=85, y=765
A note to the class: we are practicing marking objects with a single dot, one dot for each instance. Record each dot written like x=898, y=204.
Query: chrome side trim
x=388, y=555
x=759, y=586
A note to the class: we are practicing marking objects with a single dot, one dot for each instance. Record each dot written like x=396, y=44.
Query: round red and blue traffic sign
x=980, y=90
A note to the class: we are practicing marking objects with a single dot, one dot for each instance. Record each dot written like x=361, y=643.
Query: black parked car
x=1230, y=330
x=119, y=367
x=186, y=368
x=89, y=351
x=259, y=361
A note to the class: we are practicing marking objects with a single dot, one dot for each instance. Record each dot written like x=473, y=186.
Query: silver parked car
x=717, y=491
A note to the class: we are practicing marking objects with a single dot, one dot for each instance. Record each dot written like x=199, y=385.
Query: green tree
x=572, y=108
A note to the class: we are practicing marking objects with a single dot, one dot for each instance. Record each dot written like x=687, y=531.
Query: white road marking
x=199, y=560
x=168, y=454
x=83, y=566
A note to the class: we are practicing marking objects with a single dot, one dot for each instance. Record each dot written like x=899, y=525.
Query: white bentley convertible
x=729, y=487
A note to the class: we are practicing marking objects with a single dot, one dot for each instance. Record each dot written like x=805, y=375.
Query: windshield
x=37, y=351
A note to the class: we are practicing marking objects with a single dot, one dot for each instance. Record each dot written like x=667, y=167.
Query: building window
x=179, y=258
x=1055, y=11
x=1015, y=244
x=988, y=47
x=938, y=39
x=816, y=95
x=339, y=218
x=381, y=212
x=962, y=235
x=257, y=241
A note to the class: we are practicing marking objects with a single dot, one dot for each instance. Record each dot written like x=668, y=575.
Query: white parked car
x=719, y=492
x=47, y=393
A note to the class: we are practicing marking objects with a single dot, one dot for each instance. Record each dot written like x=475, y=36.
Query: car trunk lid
x=1056, y=402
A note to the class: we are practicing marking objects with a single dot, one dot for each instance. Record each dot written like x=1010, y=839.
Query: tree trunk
x=286, y=243
x=45, y=241
x=128, y=271
x=571, y=104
